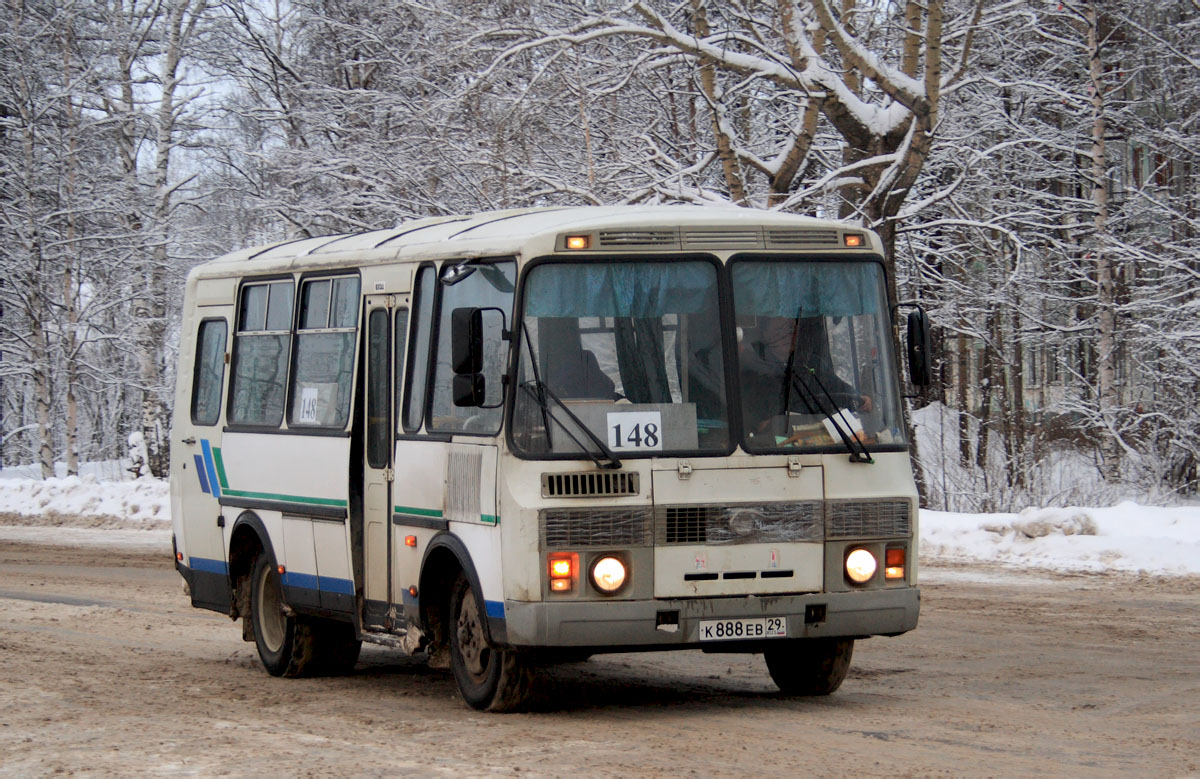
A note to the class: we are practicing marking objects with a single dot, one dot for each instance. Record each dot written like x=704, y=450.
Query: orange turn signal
x=410, y=540
x=282, y=570
x=562, y=572
x=577, y=242
x=852, y=240
x=894, y=563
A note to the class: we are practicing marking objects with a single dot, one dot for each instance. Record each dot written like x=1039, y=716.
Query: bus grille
x=639, y=239
x=594, y=483
x=724, y=238
x=867, y=518
x=581, y=528
x=740, y=524
x=784, y=238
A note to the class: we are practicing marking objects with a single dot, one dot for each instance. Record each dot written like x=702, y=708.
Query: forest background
x=1032, y=165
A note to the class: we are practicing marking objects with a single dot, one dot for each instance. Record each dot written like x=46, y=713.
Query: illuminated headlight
x=608, y=574
x=860, y=566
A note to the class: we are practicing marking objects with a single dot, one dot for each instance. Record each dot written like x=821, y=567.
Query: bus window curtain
x=641, y=360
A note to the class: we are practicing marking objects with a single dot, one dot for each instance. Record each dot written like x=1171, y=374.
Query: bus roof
x=494, y=233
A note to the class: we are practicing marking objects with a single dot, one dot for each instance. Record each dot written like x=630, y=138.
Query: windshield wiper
x=539, y=391
x=542, y=394
x=859, y=453
x=858, y=450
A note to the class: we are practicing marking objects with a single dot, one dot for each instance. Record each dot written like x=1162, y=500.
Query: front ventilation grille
x=722, y=239
x=787, y=238
x=740, y=524
x=606, y=484
x=867, y=518
x=638, y=239
x=685, y=524
x=584, y=528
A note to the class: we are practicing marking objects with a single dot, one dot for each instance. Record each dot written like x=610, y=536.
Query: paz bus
x=529, y=436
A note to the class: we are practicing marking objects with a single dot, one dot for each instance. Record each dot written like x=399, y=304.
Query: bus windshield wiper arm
x=540, y=392
x=858, y=450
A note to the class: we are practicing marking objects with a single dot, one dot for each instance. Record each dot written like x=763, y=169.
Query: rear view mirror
x=469, y=389
x=466, y=341
x=920, y=352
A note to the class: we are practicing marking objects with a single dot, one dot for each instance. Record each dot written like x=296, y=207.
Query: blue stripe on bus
x=200, y=472
x=338, y=586
x=308, y=581
x=208, y=566
x=212, y=471
x=305, y=581
x=494, y=608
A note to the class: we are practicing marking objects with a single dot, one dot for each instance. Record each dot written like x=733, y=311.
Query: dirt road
x=106, y=669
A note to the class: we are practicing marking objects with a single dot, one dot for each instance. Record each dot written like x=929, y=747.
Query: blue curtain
x=628, y=289
x=807, y=288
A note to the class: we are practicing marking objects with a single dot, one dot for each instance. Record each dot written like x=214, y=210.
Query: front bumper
x=633, y=625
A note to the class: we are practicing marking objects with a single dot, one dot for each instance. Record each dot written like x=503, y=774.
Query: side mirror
x=469, y=389
x=920, y=351
x=466, y=341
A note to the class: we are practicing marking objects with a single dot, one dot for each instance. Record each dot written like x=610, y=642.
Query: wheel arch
x=248, y=537
x=445, y=557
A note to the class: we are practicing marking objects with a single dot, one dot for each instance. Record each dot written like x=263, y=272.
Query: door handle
x=189, y=440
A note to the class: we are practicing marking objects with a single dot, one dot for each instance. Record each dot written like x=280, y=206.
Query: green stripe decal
x=489, y=519
x=415, y=512
x=286, y=498
x=220, y=463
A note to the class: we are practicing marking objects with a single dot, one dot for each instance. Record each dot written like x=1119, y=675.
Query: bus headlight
x=608, y=574
x=860, y=566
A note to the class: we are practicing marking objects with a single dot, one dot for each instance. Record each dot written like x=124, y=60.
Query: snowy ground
x=94, y=510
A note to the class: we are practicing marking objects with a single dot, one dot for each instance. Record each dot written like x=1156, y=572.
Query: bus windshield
x=814, y=354
x=629, y=350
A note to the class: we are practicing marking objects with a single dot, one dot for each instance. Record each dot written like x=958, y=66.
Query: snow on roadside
x=1127, y=537
x=82, y=501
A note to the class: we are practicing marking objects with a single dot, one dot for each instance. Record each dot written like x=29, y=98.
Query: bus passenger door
x=378, y=471
x=197, y=478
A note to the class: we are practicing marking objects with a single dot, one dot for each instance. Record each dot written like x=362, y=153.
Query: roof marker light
x=852, y=240
x=577, y=242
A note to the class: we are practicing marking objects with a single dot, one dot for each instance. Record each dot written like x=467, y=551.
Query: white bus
x=529, y=436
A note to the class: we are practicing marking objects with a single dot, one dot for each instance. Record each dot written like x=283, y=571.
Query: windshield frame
x=728, y=355
x=889, y=347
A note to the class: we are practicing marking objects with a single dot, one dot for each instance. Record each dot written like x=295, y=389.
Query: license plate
x=742, y=629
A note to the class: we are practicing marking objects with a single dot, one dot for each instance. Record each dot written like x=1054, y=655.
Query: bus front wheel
x=810, y=667
x=488, y=678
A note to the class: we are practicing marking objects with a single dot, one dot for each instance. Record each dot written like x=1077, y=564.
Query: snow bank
x=84, y=501
x=1126, y=537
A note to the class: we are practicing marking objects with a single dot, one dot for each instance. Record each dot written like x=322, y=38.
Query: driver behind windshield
x=766, y=353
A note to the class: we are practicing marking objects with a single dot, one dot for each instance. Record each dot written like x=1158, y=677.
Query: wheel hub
x=475, y=652
x=272, y=621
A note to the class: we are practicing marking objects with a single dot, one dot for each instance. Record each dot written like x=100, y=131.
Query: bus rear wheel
x=291, y=645
x=488, y=678
x=810, y=667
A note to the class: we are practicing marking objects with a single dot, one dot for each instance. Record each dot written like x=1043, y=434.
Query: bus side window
x=417, y=379
x=209, y=372
x=401, y=342
x=260, y=354
x=324, y=364
x=490, y=287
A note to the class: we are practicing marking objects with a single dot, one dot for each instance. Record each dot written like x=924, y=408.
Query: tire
x=488, y=678
x=291, y=645
x=810, y=667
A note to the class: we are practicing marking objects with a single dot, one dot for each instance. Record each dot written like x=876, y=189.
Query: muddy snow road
x=105, y=668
